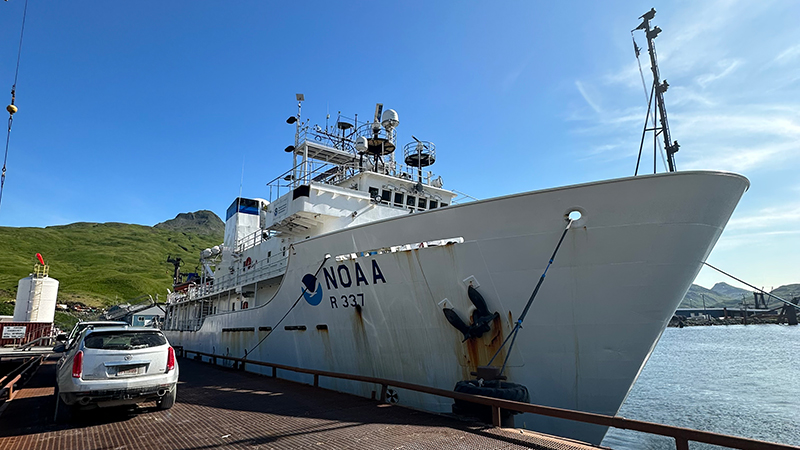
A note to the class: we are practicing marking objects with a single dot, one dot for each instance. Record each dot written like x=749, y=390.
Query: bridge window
x=410, y=200
x=242, y=205
x=422, y=202
x=434, y=204
x=386, y=195
x=373, y=192
x=398, y=199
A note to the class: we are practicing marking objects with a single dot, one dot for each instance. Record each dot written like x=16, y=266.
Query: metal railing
x=224, y=283
x=18, y=376
x=681, y=435
x=42, y=340
x=332, y=173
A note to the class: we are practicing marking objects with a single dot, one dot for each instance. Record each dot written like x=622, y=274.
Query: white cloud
x=588, y=99
x=787, y=55
x=726, y=66
x=681, y=96
x=774, y=216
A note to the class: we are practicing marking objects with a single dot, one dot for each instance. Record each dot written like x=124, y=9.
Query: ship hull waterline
x=621, y=272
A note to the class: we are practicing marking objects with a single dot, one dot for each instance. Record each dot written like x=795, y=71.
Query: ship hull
x=620, y=273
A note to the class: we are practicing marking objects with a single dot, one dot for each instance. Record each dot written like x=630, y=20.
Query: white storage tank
x=36, y=297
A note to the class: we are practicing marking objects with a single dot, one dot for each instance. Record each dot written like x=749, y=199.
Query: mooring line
x=750, y=285
x=518, y=324
x=302, y=293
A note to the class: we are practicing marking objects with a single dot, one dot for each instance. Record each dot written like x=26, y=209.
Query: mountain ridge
x=201, y=222
x=723, y=295
x=100, y=264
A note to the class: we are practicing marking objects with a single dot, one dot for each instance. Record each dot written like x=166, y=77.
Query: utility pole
x=704, y=305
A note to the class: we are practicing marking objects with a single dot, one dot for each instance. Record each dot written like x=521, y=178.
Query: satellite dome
x=361, y=144
x=205, y=253
x=215, y=250
x=389, y=119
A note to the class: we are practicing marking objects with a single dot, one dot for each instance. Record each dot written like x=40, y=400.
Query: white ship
x=360, y=255
x=375, y=252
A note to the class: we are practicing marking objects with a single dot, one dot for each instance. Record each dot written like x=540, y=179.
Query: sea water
x=738, y=380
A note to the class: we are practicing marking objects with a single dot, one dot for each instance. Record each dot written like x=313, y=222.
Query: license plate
x=128, y=371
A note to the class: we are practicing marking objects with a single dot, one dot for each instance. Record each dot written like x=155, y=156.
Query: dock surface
x=223, y=408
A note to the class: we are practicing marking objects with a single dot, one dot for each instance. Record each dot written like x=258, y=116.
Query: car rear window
x=124, y=340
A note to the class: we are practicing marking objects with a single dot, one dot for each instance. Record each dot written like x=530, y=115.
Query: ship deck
x=224, y=408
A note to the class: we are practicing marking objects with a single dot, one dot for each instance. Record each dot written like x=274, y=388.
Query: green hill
x=101, y=264
x=723, y=295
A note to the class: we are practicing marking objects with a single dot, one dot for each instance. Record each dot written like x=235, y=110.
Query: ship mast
x=657, y=91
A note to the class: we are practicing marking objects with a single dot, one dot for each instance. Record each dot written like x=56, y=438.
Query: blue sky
x=136, y=111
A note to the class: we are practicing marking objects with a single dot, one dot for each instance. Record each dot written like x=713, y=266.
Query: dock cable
x=269, y=333
x=13, y=108
x=750, y=285
x=518, y=325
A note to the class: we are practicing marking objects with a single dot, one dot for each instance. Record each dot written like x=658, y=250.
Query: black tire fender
x=503, y=390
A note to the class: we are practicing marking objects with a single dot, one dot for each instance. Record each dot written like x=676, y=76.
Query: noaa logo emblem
x=312, y=291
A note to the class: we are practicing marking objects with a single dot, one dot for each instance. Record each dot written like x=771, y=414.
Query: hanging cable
x=518, y=325
x=751, y=286
x=12, y=108
x=637, y=50
x=269, y=333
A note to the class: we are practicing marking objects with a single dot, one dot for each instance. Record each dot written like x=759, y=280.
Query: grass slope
x=99, y=264
x=725, y=296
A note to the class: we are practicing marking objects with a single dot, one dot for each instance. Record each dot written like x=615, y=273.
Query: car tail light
x=170, y=359
x=77, y=365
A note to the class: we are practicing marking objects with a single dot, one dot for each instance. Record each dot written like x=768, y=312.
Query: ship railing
x=332, y=137
x=257, y=272
x=251, y=240
x=332, y=173
x=682, y=436
x=344, y=139
x=176, y=297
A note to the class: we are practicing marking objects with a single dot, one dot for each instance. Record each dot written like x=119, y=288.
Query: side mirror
x=60, y=348
x=61, y=337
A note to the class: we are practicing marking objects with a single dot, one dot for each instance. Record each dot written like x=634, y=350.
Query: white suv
x=80, y=326
x=113, y=366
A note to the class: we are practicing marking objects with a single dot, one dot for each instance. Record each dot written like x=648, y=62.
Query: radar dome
x=389, y=119
x=215, y=250
x=361, y=144
x=205, y=253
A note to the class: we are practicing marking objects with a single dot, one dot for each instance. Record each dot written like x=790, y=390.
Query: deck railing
x=681, y=435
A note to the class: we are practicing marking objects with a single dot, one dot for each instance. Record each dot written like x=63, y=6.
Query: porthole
x=577, y=215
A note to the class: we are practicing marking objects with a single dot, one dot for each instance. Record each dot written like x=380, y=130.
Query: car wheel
x=168, y=399
x=63, y=411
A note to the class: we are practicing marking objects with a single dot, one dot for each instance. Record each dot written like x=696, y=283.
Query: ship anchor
x=481, y=317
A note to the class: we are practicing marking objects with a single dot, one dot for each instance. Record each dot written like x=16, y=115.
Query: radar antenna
x=657, y=91
x=419, y=154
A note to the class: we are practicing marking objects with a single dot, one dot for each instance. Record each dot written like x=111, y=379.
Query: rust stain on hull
x=480, y=350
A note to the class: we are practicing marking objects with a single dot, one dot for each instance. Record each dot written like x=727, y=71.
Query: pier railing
x=8, y=384
x=682, y=436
